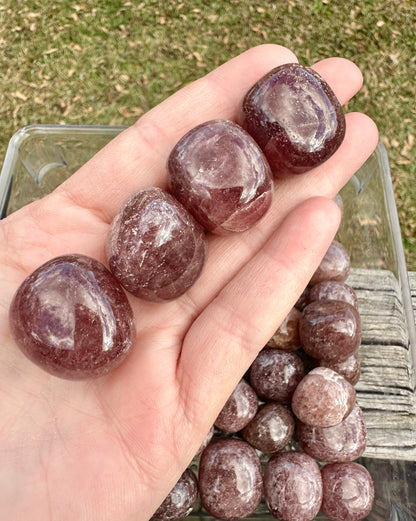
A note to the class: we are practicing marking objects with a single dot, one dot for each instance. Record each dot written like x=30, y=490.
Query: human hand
x=112, y=448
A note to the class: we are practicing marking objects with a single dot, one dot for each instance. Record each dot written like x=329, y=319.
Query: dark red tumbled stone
x=330, y=330
x=343, y=442
x=180, y=501
x=348, y=491
x=333, y=290
x=230, y=479
x=295, y=117
x=350, y=368
x=293, y=486
x=274, y=374
x=155, y=248
x=221, y=176
x=271, y=428
x=239, y=409
x=323, y=398
x=335, y=265
x=72, y=318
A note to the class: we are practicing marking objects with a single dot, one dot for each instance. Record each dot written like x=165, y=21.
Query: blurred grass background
x=65, y=62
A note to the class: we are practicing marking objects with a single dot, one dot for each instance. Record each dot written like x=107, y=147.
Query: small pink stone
x=239, y=409
x=293, y=486
x=335, y=265
x=330, y=330
x=340, y=443
x=221, y=176
x=72, y=318
x=286, y=337
x=230, y=479
x=155, y=248
x=348, y=491
x=323, y=398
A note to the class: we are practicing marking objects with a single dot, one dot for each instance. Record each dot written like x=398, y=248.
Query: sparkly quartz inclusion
x=155, y=248
x=295, y=117
x=72, y=318
x=221, y=176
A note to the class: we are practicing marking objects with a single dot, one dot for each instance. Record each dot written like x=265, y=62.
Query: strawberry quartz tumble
x=295, y=117
x=72, y=318
x=221, y=176
x=155, y=248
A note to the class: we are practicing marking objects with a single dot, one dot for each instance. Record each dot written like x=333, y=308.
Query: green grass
x=108, y=62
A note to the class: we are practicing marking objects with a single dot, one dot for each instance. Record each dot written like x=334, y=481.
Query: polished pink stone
x=295, y=117
x=271, y=428
x=333, y=290
x=155, y=248
x=221, y=176
x=181, y=499
x=350, y=368
x=343, y=442
x=274, y=374
x=293, y=486
x=323, y=398
x=330, y=330
x=230, y=479
x=335, y=265
x=348, y=491
x=72, y=318
x=239, y=409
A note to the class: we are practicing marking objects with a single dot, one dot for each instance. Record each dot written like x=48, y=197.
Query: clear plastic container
x=39, y=158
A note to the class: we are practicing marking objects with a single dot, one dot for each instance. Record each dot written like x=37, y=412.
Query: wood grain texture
x=386, y=387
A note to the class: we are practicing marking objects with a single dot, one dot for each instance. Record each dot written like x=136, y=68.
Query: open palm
x=111, y=448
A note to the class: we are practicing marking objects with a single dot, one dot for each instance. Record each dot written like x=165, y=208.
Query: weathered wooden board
x=386, y=390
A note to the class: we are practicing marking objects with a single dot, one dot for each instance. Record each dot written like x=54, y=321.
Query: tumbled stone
x=335, y=265
x=230, y=479
x=293, y=486
x=348, y=491
x=350, y=368
x=239, y=409
x=271, y=428
x=72, y=318
x=323, y=398
x=221, y=176
x=330, y=330
x=343, y=442
x=295, y=117
x=333, y=290
x=155, y=248
x=180, y=501
x=286, y=337
x=274, y=374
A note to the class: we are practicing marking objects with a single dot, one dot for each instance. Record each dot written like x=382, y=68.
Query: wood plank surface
x=386, y=390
